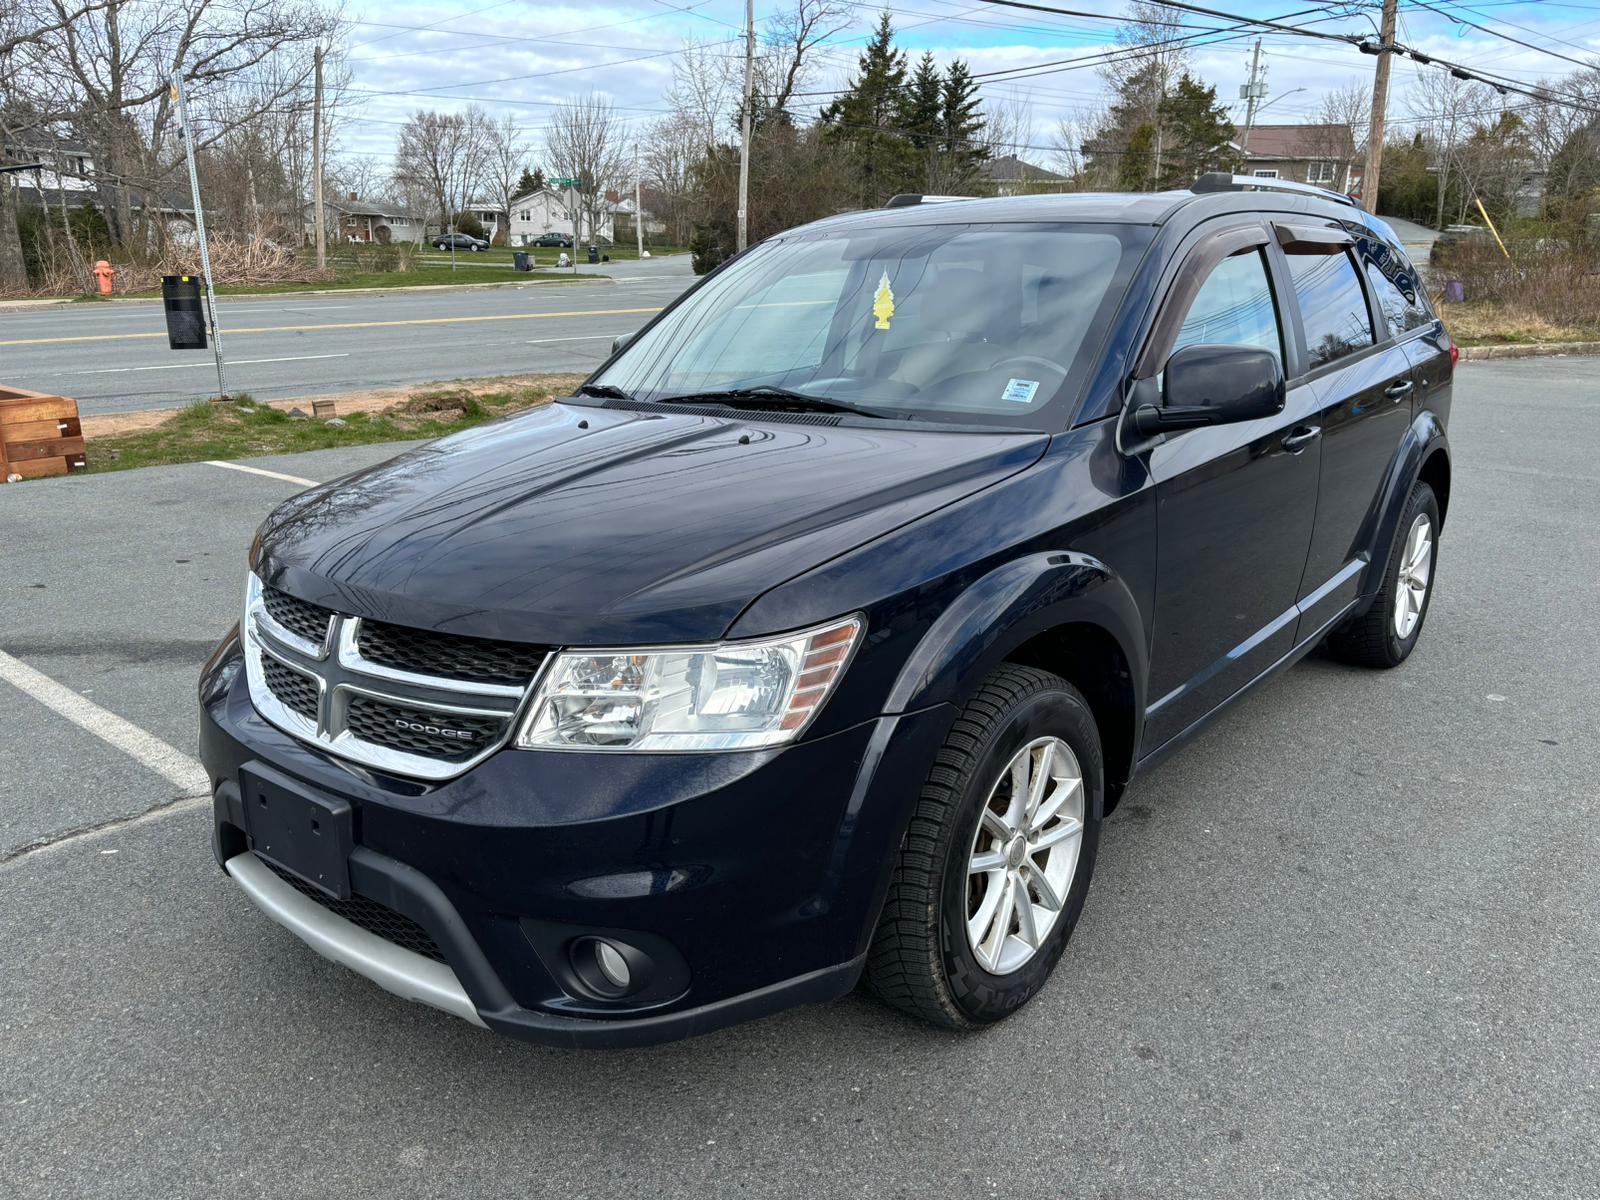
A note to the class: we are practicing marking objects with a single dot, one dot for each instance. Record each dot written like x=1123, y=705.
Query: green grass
x=244, y=429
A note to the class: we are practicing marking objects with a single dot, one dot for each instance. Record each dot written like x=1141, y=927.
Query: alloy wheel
x=1416, y=568
x=1024, y=855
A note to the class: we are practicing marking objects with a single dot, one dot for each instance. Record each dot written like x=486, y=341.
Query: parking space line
x=228, y=466
x=147, y=749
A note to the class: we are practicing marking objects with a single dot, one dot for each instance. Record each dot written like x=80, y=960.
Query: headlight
x=730, y=696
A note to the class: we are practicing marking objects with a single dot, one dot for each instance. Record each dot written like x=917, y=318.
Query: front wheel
x=995, y=866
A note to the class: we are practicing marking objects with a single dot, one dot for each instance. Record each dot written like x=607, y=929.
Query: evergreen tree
x=870, y=118
x=1195, y=132
x=960, y=126
x=925, y=104
x=531, y=181
x=1136, y=163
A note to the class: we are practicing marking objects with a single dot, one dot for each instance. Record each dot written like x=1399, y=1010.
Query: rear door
x=1363, y=380
x=1235, y=503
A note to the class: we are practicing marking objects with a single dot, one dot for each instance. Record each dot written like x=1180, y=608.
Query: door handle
x=1398, y=389
x=1300, y=437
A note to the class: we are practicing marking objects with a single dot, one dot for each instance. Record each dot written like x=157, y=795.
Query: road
x=1343, y=945
x=114, y=357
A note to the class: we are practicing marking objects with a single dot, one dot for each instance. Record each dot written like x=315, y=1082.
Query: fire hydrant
x=104, y=273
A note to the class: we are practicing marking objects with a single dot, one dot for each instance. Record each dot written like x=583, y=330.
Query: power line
x=1503, y=36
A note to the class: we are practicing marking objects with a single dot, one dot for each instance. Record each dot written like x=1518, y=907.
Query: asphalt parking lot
x=1347, y=944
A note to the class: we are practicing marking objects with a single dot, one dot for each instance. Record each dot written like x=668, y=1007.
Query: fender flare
x=1010, y=605
x=1423, y=438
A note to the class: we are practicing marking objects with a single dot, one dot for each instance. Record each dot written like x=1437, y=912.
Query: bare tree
x=703, y=93
x=508, y=153
x=586, y=141
x=1152, y=51
x=1350, y=106
x=444, y=156
x=1444, y=107
x=1009, y=126
x=789, y=40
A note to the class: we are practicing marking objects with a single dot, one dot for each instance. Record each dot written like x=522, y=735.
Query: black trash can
x=594, y=254
x=186, y=316
x=519, y=260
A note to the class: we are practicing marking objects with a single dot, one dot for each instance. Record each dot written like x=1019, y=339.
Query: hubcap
x=1024, y=855
x=1416, y=568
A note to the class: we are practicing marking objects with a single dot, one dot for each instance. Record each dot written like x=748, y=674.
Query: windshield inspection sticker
x=883, y=303
x=1021, y=390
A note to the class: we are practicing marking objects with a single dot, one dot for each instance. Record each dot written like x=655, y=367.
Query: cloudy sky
x=522, y=56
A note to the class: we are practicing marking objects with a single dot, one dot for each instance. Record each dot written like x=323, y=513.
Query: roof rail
x=910, y=199
x=1222, y=181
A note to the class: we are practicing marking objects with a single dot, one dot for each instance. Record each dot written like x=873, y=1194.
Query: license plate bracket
x=308, y=835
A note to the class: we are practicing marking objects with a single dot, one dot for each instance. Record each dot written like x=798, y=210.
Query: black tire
x=1371, y=640
x=920, y=960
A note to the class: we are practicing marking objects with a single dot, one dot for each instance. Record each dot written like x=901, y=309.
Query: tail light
x=1455, y=355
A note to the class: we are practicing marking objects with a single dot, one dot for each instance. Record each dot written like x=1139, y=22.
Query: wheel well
x=1090, y=659
x=1436, y=474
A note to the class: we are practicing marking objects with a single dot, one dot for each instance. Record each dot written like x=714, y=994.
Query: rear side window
x=1400, y=295
x=1234, y=307
x=1332, y=305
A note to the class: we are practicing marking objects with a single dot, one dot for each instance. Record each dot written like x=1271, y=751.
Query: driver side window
x=1234, y=307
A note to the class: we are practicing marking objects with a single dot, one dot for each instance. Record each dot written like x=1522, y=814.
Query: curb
x=1530, y=350
x=584, y=277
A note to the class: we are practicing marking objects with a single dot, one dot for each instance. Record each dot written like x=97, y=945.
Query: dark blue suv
x=811, y=641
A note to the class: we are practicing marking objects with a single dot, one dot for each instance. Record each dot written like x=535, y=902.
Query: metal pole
x=742, y=239
x=316, y=166
x=200, y=228
x=1251, y=96
x=1380, y=102
x=638, y=202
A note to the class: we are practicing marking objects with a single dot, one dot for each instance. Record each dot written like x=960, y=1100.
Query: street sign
x=564, y=183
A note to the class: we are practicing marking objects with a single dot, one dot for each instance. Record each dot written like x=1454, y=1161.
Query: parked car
x=1456, y=238
x=552, y=239
x=814, y=637
x=460, y=241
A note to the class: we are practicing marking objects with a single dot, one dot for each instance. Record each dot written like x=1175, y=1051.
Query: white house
x=545, y=211
x=355, y=220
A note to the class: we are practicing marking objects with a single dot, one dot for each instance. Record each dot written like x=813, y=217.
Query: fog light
x=612, y=965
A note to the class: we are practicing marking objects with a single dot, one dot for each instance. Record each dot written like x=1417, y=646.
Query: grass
x=246, y=429
x=1492, y=323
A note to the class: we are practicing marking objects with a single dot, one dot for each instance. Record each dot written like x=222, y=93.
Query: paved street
x=1344, y=945
x=114, y=357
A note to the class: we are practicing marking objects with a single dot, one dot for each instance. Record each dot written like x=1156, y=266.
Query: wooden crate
x=39, y=435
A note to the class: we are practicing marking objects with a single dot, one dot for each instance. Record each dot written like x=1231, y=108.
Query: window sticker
x=883, y=303
x=1021, y=391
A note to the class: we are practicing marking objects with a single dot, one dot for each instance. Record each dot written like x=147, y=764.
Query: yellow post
x=1492, y=229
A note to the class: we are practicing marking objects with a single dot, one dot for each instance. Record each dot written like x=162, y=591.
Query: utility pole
x=316, y=164
x=1253, y=91
x=1380, y=102
x=200, y=226
x=638, y=201
x=743, y=238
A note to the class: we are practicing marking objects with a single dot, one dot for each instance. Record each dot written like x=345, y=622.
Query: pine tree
x=925, y=104
x=531, y=181
x=1137, y=160
x=1195, y=132
x=870, y=118
x=961, y=125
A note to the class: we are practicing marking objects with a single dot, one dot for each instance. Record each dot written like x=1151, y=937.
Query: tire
x=922, y=959
x=1379, y=638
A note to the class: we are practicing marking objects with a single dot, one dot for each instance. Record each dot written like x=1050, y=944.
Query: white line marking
x=212, y=462
x=245, y=362
x=164, y=367
x=588, y=337
x=149, y=750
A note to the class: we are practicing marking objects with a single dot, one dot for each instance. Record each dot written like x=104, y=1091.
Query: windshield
x=975, y=323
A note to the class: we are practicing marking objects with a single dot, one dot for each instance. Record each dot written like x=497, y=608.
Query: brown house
x=1321, y=154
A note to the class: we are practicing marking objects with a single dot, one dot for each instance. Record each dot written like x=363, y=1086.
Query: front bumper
x=755, y=877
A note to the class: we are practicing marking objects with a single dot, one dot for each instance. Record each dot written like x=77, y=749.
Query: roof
x=1301, y=141
x=1012, y=169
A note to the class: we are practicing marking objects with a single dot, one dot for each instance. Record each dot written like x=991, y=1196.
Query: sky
x=521, y=57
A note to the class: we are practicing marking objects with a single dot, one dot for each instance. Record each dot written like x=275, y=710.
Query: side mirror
x=621, y=340
x=1214, y=385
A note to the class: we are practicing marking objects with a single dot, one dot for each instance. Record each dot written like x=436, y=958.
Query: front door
x=1235, y=509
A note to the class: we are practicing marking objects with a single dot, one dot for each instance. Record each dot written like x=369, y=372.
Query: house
x=355, y=220
x=1012, y=176
x=66, y=166
x=545, y=211
x=1324, y=155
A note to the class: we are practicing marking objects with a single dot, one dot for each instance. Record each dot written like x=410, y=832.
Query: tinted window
x=1234, y=308
x=1399, y=292
x=1332, y=305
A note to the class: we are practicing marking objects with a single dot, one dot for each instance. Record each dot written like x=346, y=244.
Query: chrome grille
x=307, y=620
x=475, y=660
x=425, y=705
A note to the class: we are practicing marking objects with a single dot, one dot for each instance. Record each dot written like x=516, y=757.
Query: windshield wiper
x=606, y=390
x=770, y=396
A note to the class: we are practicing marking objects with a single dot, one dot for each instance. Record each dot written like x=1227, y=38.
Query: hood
x=591, y=526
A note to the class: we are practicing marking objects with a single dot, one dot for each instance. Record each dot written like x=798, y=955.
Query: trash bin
x=519, y=260
x=594, y=254
x=186, y=319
